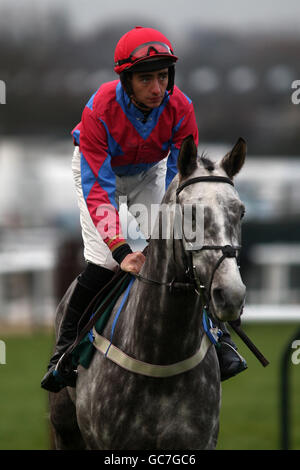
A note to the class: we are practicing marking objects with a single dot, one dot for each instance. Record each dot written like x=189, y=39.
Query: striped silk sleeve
x=98, y=180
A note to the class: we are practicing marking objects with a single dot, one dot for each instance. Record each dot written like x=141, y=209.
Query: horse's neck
x=167, y=324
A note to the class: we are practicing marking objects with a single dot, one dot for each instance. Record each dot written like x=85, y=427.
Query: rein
x=155, y=370
x=160, y=371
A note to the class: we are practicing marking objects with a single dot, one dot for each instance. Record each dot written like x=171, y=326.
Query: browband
x=212, y=179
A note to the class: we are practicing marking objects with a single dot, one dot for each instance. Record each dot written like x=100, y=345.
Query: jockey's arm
x=98, y=184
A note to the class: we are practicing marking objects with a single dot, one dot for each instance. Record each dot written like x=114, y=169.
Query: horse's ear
x=234, y=160
x=187, y=159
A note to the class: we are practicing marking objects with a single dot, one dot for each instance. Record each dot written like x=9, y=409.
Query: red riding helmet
x=143, y=45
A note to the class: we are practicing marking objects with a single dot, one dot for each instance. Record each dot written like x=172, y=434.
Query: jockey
x=126, y=144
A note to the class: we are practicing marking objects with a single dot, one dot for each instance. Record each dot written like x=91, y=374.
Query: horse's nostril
x=219, y=298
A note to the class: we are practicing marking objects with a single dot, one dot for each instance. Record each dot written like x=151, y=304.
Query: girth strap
x=151, y=370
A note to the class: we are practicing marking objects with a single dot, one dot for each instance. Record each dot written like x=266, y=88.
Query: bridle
x=228, y=251
x=195, y=283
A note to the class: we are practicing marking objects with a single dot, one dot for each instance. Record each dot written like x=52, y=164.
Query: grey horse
x=113, y=408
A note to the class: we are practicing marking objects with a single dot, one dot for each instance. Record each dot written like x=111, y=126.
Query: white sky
x=174, y=15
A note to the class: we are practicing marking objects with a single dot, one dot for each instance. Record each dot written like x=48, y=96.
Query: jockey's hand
x=133, y=262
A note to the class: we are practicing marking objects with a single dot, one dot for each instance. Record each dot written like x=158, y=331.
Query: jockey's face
x=149, y=87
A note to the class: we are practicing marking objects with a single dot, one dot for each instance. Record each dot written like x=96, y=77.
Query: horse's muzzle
x=228, y=301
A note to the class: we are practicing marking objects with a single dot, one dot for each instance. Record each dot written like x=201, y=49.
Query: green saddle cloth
x=84, y=351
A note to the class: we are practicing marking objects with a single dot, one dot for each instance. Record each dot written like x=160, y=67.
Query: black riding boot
x=89, y=283
x=230, y=361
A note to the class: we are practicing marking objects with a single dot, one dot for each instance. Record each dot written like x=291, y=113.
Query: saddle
x=96, y=315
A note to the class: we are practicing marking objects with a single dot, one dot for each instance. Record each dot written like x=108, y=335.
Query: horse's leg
x=67, y=435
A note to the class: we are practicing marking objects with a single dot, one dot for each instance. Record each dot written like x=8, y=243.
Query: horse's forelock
x=206, y=162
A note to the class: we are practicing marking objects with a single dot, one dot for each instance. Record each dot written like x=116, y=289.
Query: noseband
x=228, y=251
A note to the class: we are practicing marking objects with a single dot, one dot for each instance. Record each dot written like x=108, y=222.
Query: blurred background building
x=239, y=74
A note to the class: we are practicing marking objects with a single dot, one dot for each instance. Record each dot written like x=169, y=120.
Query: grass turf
x=23, y=404
x=251, y=401
x=250, y=412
